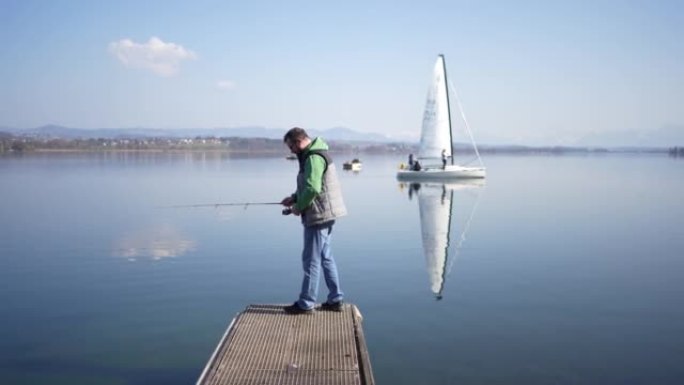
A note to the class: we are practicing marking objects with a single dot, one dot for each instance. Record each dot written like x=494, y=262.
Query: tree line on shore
x=676, y=151
x=10, y=143
x=22, y=144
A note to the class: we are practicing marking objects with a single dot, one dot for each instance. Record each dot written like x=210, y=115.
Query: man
x=318, y=200
x=444, y=159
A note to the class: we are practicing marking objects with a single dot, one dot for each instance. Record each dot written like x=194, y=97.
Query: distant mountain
x=667, y=136
x=55, y=131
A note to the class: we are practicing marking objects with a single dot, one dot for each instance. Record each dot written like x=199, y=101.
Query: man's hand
x=287, y=201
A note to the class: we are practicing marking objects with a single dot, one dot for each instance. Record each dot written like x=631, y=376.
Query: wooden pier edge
x=362, y=349
x=212, y=358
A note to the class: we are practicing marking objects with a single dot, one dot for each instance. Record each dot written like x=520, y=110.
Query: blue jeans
x=317, y=253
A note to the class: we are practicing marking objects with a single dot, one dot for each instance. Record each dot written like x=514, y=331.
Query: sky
x=528, y=72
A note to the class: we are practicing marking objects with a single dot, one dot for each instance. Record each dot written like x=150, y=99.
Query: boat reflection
x=439, y=222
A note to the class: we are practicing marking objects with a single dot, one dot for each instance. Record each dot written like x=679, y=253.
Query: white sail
x=436, y=130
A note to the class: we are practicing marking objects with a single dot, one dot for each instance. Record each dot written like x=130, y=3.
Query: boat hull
x=434, y=174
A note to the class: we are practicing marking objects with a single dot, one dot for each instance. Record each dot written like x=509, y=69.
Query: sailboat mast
x=446, y=87
x=447, y=259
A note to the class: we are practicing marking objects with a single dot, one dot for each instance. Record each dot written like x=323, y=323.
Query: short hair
x=295, y=133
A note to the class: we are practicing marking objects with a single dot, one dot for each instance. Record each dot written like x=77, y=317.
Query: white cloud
x=225, y=84
x=157, y=56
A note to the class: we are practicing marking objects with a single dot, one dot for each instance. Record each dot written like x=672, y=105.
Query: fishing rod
x=286, y=211
x=245, y=204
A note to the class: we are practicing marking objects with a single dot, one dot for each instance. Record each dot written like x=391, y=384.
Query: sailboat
x=436, y=205
x=436, y=142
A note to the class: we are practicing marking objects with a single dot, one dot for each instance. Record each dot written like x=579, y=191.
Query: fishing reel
x=287, y=211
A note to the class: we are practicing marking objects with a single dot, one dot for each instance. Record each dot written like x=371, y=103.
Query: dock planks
x=264, y=345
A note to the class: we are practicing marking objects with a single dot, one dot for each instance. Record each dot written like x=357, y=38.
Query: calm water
x=560, y=270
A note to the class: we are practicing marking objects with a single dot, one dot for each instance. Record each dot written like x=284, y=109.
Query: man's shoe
x=295, y=309
x=335, y=306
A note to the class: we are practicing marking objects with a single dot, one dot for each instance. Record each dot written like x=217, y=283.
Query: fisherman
x=318, y=200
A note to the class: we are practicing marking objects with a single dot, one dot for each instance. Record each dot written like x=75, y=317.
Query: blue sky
x=526, y=72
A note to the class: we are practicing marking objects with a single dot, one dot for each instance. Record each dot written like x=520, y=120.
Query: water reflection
x=439, y=222
x=163, y=241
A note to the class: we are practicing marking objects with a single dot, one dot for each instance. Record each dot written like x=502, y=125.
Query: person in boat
x=444, y=159
x=410, y=162
x=416, y=165
x=318, y=200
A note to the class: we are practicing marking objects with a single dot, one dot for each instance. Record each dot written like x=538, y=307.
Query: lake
x=558, y=270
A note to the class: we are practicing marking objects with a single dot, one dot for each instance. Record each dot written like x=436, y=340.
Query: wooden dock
x=264, y=345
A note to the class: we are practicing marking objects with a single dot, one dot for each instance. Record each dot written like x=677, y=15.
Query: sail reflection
x=155, y=243
x=439, y=223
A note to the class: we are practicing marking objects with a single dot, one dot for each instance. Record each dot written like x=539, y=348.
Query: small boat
x=436, y=145
x=354, y=165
